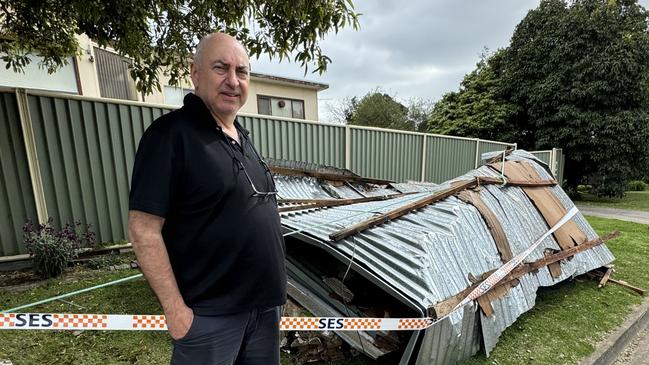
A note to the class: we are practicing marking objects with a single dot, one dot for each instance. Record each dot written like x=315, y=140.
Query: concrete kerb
x=609, y=350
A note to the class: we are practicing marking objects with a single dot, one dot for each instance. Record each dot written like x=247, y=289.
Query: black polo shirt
x=225, y=245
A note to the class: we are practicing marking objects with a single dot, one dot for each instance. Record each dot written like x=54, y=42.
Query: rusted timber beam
x=443, y=194
x=445, y=306
x=327, y=176
x=321, y=203
x=455, y=188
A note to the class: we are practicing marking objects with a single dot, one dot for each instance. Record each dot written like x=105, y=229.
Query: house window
x=280, y=107
x=114, y=78
x=175, y=95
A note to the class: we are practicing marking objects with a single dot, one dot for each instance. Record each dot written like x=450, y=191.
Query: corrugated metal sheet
x=298, y=141
x=447, y=158
x=427, y=255
x=16, y=195
x=386, y=155
x=86, y=151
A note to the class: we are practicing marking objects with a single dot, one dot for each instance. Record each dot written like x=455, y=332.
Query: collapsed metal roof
x=429, y=255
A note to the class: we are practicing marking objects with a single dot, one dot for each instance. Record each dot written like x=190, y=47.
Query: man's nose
x=231, y=78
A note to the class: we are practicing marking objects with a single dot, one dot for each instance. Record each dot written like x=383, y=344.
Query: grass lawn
x=634, y=200
x=563, y=326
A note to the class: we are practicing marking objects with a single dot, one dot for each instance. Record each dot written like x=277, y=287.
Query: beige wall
x=266, y=88
x=89, y=83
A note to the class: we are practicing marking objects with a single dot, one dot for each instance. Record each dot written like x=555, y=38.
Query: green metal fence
x=86, y=151
x=16, y=194
x=297, y=140
x=70, y=157
x=386, y=154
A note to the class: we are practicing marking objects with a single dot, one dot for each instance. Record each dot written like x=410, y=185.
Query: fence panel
x=543, y=156
x=386, y=155
x=447, y=158
x=86, y=151
x=16, y=195
x=298, y=141
x=490, y=146
x=561, y=162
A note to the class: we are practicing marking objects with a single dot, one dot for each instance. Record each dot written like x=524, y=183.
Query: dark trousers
x=246, y=338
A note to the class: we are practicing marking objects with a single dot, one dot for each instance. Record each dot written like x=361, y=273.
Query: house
x=102, y=73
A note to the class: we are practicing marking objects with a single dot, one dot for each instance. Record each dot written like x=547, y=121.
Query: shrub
x=52, y=249
x=638, y=185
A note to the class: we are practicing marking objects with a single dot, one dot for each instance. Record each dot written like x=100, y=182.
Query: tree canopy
x=163, y=34
x=479, y=108
x=379, y=109
x=574, y=76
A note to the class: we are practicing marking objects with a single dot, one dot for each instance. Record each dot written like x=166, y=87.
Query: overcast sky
x=411, y=49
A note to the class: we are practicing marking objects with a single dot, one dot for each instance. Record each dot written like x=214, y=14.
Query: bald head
x=216, y=38
x=220, y=73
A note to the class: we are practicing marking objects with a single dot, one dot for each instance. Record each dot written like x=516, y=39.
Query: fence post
x=348, y=147
x=423, y=160
x=32, y=155
x=553, y=162
x=477, y=152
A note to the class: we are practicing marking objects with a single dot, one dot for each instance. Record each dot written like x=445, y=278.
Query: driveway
x=636, y=216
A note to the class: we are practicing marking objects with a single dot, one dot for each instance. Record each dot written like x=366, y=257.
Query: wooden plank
x=327, y=176
x=516, y=170
x=445, y=306
x=552, y=211
x=596, y=274
x=546, y=202
x=508, y=151
x=383, y=218
x=496, y=229
x=607, y=275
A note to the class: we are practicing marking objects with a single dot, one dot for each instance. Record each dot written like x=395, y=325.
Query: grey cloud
x=411, y=49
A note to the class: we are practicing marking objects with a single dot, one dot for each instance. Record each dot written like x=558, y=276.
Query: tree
x=418, y=113
x=378, y=109
x=163, y=33
x=479, y=108
x=341, y=111
x=579, y=71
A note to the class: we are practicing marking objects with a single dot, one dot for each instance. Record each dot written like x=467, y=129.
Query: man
x=203, y=219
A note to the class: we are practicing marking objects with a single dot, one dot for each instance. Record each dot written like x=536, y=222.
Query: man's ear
x=193, y=69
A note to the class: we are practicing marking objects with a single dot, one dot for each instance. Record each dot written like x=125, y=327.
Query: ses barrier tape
x=116, y=322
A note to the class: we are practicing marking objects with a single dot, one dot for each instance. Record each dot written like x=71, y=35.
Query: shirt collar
x=197, y=108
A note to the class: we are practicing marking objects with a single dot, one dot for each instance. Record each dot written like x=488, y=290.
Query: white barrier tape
x=123, y=322
x=115, y=322
x=504, y=270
